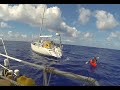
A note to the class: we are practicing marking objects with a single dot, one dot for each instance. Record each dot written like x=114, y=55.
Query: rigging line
x=56, y=71
x=42, y=22
x=44, y=77
x=49, y=79
x=4, y=67
x=4, y=47
x=5, y=51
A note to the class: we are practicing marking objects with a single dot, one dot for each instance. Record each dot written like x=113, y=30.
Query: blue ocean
x=74, y=59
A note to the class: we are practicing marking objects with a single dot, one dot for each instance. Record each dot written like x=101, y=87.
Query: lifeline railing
x=54, y=71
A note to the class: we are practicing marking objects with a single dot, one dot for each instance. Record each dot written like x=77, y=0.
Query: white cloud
x=17, y=35
x=113, y=35
x=10, y=33
x=113, y=40
x=71, y=31
x=108, y=38
x=105, y=20
x=32, y=13
x=82, y=39
x=68, y=40
x=24, y=35
x=84, y=15
x=4, y=25
x=88, y=35
x=34, y=36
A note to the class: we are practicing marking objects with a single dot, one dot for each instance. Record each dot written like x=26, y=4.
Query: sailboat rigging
x=45, y=46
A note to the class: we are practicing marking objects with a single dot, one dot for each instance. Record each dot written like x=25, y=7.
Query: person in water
x=94, y=60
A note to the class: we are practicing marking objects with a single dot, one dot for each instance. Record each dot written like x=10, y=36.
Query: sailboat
x=12, y=77
x=46, y=46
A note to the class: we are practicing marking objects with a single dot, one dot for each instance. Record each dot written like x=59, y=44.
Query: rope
x=42, y=22
x=49, y=79
x=4, y=67
x=5, y=49
x=44, y=77
x=53, y=70
x=90, y=79
x=49, y=69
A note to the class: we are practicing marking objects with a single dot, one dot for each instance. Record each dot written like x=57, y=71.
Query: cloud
x=71, y=31
x=10, y=33
x=113, y=40
x=67, y=40
x=84, y=38
x=113, y=35
x=84, y=15
x=105, y=20
x=88, y=35
x=32, y=14
x=24, y=36
x=34, y=36
x=16, y=36
x=4, y=25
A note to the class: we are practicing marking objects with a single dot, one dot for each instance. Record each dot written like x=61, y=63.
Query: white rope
x=49, y=79
x=4, y=47
x=5, y=50
x=44, y=78
x=42, y=22
x=4, y=67
x=56, y=71
x=10, y=57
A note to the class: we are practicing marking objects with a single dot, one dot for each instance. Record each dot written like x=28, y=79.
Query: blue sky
x=96, y=25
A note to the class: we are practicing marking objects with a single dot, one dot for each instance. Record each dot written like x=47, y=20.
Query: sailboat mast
x=42, y=22
x=60, y=42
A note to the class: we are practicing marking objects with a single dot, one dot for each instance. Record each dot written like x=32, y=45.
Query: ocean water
x=107, y=72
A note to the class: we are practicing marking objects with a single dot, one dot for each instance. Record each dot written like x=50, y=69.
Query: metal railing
x=55, y=71
x=52, y=70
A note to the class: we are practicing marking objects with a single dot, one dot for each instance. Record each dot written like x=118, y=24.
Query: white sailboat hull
x=45, y=51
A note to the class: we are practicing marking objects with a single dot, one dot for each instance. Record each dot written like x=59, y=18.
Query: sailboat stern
x=56, y=52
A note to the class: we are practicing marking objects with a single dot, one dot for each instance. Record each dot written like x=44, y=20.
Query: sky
x=94, y=25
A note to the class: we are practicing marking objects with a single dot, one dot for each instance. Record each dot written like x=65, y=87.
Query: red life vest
x=93, y=63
